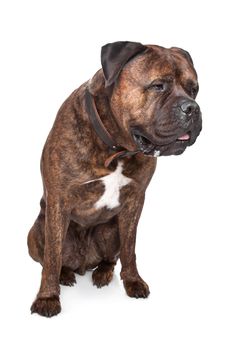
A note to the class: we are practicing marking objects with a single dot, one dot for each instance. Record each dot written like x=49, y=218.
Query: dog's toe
x=67, y=277
x=47, y=307
x=136, y=289
x=103, y=275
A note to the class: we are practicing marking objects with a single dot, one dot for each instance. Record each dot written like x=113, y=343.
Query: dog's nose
x=190, y=108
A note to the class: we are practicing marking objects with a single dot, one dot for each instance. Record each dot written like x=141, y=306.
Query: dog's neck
x=96, y=87
x=103, y=121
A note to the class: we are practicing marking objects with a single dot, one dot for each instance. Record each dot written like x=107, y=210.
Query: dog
x=98, y=160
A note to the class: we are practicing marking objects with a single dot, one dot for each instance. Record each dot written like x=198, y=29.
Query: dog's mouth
x=148, y=147
x=143, y=143
x=184, y=137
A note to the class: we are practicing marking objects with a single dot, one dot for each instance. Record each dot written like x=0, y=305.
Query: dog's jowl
x=98, y=160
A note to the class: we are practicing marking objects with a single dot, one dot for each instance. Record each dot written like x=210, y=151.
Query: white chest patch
x=112, y=183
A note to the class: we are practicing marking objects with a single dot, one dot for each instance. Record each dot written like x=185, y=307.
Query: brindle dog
x=99, y=159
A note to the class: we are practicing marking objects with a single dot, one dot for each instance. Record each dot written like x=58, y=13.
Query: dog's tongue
x=184, y=137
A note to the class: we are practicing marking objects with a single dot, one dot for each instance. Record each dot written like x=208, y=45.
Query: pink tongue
x=184, y=137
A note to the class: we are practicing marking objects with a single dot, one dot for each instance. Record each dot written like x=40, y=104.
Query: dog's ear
x=115, y=55
x=184, y=53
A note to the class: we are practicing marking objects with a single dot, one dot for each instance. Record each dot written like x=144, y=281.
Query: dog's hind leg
x=36, y=251
x=35, y=238
x=36, y=241
x=103, y=274
x=106, y=240
x=67, y=276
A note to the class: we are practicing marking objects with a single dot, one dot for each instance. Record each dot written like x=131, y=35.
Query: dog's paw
x=67, y=277
x=47, y=307
x=102, y=276
x=136, y=288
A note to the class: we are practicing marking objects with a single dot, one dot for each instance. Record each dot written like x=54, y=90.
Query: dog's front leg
x=128, y=220
x=47, y=302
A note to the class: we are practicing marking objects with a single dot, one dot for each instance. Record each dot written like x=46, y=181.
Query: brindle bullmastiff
x=98, y=160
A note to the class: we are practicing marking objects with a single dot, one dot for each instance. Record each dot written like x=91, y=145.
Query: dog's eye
x=194, y=92
x=191, y=89
x=157, y=86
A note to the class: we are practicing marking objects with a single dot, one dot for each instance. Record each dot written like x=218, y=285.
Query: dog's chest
x=112, y=186
x=102, y=198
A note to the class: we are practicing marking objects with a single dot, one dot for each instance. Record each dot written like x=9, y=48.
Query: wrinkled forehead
x=159, y=63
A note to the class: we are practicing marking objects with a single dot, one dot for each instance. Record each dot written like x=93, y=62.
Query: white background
x=185, y=245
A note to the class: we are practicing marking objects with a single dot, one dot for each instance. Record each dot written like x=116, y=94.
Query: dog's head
x=153, y=91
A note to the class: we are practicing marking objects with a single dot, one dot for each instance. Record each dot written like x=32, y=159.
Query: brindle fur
x=69, y=235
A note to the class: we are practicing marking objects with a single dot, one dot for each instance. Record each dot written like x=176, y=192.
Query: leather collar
x=102, y=132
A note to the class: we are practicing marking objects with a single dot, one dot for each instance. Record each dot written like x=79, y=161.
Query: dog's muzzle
x=181, y=130
x=187, y=112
